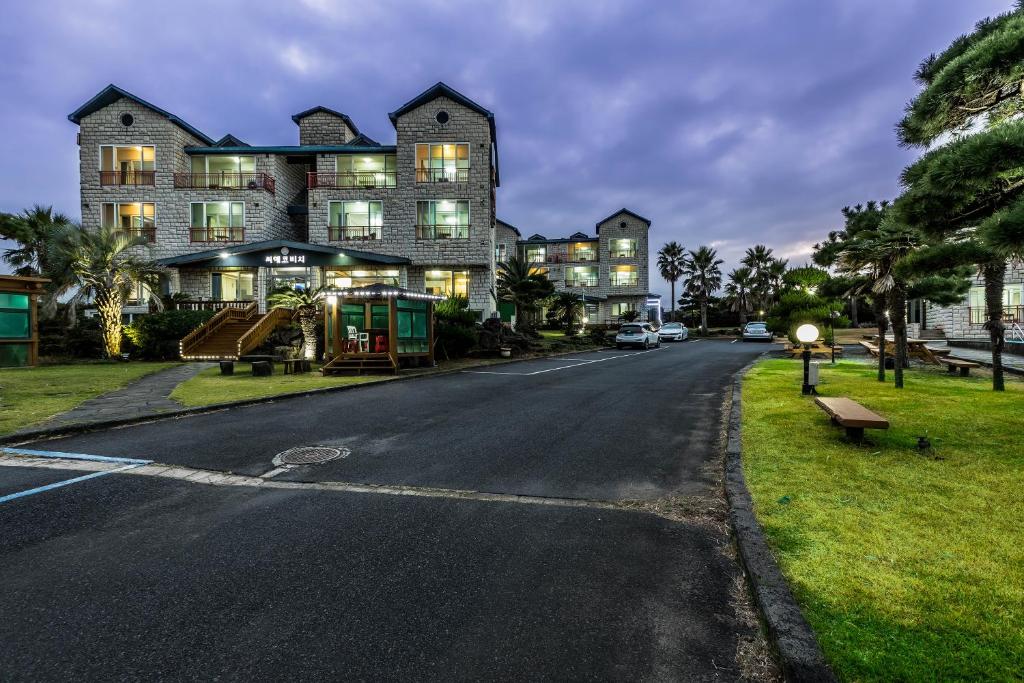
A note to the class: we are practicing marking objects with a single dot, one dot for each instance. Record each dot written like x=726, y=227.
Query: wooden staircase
x=232, y=332
x=360, y=363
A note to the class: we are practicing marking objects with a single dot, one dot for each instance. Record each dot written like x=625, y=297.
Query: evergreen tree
x=969, y=188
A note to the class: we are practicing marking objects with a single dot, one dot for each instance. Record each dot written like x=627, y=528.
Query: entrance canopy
x=280, y=253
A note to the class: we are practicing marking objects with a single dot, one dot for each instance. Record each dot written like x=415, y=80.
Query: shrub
x=456, y=329
x=156, y=335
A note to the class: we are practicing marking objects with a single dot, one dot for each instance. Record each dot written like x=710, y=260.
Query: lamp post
x=807, y=334
x=832, y=315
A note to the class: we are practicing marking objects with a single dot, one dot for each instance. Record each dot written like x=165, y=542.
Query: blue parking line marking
x=66, y=482
x=74, y=456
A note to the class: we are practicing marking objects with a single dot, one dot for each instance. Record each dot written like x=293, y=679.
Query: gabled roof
x=441, y=89
x=230, y=140
x=112, y=94
x=579, y=236
x=239, y=249
x=536, y=237
x=509, y=226
x=619, y=213
x=363, y=141
x=315, y=110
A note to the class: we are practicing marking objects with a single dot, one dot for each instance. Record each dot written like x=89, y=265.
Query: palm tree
x=34, y=230
x=306, y=303
x=671, y=258
x=703, y=278
x=523, y=284
x=568, y=308
x=758, y=258
x=774, y=275
x=740, y=282
x=99, y=268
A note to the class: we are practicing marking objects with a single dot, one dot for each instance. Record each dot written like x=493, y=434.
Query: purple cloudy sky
x=726, y=123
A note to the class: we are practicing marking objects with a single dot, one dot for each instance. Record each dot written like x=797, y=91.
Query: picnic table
x=817, y=348
x=916, y=348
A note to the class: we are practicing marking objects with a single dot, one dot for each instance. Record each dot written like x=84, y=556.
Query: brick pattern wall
x=323, y=128
x=955, y=321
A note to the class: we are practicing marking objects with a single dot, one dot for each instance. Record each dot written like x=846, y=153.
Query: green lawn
x=29, y=396
x=210, y=386
x=908, y=567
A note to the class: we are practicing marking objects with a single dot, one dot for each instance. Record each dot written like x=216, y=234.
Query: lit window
x=583, y=251
x=536, y=254
x=447, y=282
x=217, y=222
x=134, y=218
x=127, y=164
x=365, y=170
x=223, y=170
x=442, y=163
x=442, y=219
x=623, y=248
x=624, y=276
x=355, y=220
x=342, y=278
x=232, y=285
x=581, y=276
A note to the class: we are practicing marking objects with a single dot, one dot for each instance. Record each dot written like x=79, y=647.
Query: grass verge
x=209, y=386
x=29, y=396
x=908, y=566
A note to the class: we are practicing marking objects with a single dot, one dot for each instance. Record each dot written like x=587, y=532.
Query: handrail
x=199, y=335
x=1015, y=334
x=354, y=179
x=225, y=180
x=258, y=332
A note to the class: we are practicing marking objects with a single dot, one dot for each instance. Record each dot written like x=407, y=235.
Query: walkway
x=1012, y=362
x=147, y=395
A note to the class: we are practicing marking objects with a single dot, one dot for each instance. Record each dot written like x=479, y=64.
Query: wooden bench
x=817, y=348
x=851, y=415
x=294, y=366
x=964, y=366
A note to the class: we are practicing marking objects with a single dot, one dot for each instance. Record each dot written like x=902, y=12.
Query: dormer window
x=442, y=162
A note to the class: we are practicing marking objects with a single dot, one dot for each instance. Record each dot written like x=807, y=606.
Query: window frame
x=429, y=177
x=435, y=225
x=633, y=270
x=390, y=175
x=634, y=241
x=336, y=233
x=149, y=232
x=230, y=228
x=147, y=181
x=450, y=280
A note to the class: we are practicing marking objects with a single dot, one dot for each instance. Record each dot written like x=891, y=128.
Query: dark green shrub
x=456, y=328
x=156, y=336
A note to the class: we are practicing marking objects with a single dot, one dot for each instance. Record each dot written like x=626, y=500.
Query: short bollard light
x=807, y=334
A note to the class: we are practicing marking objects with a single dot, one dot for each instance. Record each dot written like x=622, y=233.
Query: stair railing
x=197, y=336
x=1015, y=334
x=255, y=335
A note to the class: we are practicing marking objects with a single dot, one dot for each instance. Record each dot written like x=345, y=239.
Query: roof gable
x=112, y=94
x=509, y=226
x=621, y=212
x=363, y=141
x=230, y=140
x=537, y=237
x=579, y=236
x=318, y=109
x=441, y=89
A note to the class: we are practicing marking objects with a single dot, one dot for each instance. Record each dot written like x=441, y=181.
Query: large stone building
x=608, y=270
x=964, y=323
x=233, y=221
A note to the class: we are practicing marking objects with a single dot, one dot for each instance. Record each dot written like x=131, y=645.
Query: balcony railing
x=626, y=282
x=978, y=315
x=623, y=254
x=352, y=179
x=442, y=175
x=337, y=233
x=127, y=177
x=442, y=232
x=148, y=233
x=210, y=305
x=224, y=181
x=201, y=234
x=581, y=257
x=582, y=282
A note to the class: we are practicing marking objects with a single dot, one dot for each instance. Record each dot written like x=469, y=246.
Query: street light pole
x=807, y=335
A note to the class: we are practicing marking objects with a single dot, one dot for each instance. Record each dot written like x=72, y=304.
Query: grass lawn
x=909, y=567
x=29, y=396
x=210, y=386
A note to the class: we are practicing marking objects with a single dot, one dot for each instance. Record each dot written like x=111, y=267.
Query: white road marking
x=564, y=367
x=66, y=482
x=734, y=341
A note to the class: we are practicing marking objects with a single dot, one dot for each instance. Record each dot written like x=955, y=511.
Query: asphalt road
x=129, y=577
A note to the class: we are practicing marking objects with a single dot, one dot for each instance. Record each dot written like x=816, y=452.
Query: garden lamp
x=807, y=334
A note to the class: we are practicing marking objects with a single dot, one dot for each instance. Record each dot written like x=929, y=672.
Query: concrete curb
x=81, y=428
x=797, y=647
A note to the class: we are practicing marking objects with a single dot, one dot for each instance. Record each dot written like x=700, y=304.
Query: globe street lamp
x=807, y=334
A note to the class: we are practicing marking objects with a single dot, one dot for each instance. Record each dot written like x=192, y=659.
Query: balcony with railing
x=126, y=177
x=210, y=305
x=224, y=181
x=581, y=282
x=337, y=233
x=203, y=234
x=442, y=232
x=352, y=179
x=978, y=315
x=147, y=233
x=442, y=175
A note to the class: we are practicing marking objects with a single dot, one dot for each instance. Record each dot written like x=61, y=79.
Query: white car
x=637, y=334
x=673, y=332
x=756, y=331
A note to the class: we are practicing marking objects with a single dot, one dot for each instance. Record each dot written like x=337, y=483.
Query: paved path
x=147, y=395
x=1011, y=362
x=557, y=519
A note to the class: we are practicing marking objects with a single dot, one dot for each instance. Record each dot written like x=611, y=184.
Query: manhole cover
x=309, y=455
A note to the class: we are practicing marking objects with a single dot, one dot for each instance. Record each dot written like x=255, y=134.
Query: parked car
x=637, y=334
x=673, y=332
x=755, y=331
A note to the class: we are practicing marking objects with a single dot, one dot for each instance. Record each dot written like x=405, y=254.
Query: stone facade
x=560, y=261
x=958, y=323
x=324, y=128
